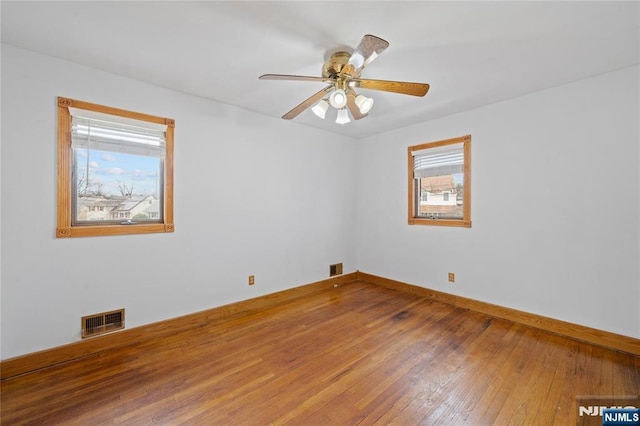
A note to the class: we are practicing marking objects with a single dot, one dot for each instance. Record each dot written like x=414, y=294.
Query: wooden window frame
x=466, y=208
x=64, y=227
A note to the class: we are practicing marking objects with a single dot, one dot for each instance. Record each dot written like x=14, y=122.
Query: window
x=115, y=171
x=440, y=183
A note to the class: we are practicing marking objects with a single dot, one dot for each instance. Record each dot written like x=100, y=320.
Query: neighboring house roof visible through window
x=438, y=183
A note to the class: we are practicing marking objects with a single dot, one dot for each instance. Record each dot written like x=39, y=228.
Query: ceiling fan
x=342, y=71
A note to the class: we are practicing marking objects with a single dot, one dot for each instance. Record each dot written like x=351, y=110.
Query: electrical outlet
x=452, y=277
x=252, y=280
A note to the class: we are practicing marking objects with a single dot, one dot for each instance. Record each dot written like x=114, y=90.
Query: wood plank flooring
x=356, y=354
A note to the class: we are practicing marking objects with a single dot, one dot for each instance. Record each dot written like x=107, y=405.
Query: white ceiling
x=471, y=53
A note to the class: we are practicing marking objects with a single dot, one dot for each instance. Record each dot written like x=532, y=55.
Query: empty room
x=320, y=213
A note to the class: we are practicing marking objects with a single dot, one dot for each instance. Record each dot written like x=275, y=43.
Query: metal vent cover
x=335, y=269
x=96, y=324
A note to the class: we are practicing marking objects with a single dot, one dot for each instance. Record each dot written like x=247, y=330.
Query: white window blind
x=94, y=132
x=444, y=160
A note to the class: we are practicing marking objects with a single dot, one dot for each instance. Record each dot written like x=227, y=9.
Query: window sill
x=95, y=231
x=440, y=222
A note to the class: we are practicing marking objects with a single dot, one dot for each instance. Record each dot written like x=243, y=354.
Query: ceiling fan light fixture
x=320, y=109
x=343, y=116
x=364, y=104
x=338, y=99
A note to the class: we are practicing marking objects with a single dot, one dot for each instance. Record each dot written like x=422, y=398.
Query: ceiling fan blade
x=403, y=87
x=351, y=104
x=293, y=77
x=307, y=103
x=367, y=50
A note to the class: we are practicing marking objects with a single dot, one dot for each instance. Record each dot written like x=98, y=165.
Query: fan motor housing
x=333, y=66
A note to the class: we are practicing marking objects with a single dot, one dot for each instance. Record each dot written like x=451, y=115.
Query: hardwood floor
x=356, y=354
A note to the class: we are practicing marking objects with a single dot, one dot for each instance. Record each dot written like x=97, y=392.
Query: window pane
x=441, y=196
x=116, y=186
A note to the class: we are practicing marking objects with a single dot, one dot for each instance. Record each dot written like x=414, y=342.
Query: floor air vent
x=94, y=325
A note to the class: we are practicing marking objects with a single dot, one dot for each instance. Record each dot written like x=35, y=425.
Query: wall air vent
x=335, y=269
x=94, y=325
